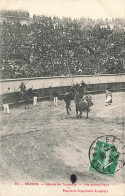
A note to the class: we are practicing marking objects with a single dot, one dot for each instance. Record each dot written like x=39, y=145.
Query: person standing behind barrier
x=55, y=98
x=35, y=95
x=5, y=103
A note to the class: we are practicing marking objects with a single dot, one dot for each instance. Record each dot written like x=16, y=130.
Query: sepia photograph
x=62, y=97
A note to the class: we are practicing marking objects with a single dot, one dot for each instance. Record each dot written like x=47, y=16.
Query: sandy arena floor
x=44, y=144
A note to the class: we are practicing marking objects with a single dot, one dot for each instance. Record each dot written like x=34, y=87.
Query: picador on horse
x=22, y=89
x=82, y=104
x=25, y=95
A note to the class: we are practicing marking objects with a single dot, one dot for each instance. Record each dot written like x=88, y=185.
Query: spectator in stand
x=53, y=46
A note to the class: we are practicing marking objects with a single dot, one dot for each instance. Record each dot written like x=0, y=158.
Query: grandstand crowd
x=54, y=47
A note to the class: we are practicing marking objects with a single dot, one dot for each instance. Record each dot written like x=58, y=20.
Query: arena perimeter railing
x=45, y=86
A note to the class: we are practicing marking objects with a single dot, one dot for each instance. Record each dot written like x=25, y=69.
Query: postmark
x=106, y=155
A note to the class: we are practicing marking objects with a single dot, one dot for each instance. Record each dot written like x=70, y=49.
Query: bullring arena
x=44, y=144
x=58, y=59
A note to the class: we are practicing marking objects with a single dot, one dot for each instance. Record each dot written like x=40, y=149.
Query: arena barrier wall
x=45, y=86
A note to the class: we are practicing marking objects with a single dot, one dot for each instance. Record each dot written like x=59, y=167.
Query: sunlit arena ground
x=44, y=144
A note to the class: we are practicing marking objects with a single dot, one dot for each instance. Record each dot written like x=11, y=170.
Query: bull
x=83, y=106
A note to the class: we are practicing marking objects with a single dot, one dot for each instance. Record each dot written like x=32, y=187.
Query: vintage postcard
x=62, y=97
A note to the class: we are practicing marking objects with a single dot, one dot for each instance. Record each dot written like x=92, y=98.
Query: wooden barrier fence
x=47, y=93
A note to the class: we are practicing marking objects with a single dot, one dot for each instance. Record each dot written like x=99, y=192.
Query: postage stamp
x=104, y=155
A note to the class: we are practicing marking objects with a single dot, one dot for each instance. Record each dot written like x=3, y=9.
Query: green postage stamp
x=105, y=158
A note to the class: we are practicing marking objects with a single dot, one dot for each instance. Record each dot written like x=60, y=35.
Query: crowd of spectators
x=53, y=47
